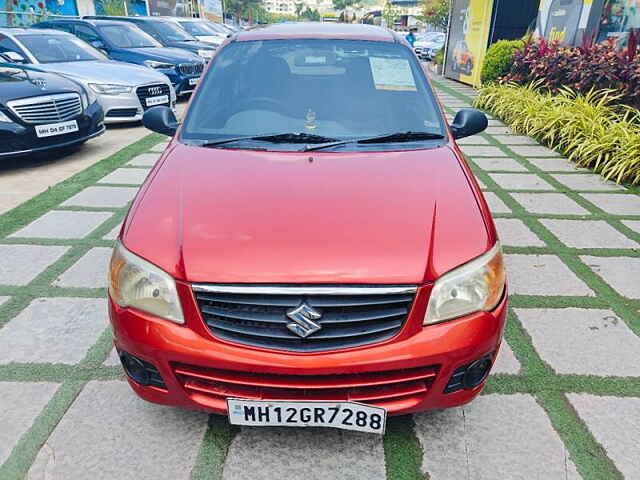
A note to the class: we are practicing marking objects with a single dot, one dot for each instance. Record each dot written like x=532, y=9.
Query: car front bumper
x=18, y=139
x=196, y=367
x=186, y=85
x=126, y=107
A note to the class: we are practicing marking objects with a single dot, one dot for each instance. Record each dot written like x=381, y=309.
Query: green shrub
x=588, y=128
x=499, y=59
x=439, y=58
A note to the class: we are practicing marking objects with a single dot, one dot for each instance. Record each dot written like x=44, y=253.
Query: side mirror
x=468, y=121
x=162, y=120
x=97, y=44
x=14, y=57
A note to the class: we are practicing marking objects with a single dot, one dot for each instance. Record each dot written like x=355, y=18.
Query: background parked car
x=168, y=33
x=125, y=42
x=42, y=111
x=427, y=45
x=201, y=29
x=125, y=91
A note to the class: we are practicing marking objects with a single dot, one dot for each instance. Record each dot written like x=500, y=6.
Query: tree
x=340, y=5
x=312, y=15
x=390, y=13
x=436, y=13
x=242, y=8
x=299, y=9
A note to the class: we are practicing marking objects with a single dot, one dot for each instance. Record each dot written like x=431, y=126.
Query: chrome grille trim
x=302, y=290
x=47, y=108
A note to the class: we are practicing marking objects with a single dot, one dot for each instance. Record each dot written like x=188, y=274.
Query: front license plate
x=344, y=415
x=52, y=129
x=151, y=101
x=193, y=81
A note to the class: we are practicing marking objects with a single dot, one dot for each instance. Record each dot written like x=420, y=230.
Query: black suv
x=42, y=111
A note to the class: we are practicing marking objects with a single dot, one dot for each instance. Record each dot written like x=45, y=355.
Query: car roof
x=31, y=31
x=91, y=21
x=141, y=17
x=182, y=19
x=334, y=30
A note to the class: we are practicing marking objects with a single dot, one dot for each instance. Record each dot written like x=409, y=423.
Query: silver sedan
x=124, y=90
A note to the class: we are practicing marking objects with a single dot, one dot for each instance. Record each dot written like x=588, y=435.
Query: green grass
x=402, y=451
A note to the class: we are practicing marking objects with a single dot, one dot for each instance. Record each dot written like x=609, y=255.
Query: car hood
x=211, y=40
x=427, y=45
x=164, y=54
x=106, y=72
x=191, y=45
x=16, y=84
x=237, y=216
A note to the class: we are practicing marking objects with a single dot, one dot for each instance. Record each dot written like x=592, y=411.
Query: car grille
x=191, y=68
x=350, y=316
x=374, y=388
x=152, y=91
x=47, y=109
x=122, y=112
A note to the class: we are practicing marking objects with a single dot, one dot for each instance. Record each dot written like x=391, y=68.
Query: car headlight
x=136, y=283
x=473, y=287
x=91, y=96
x=110, y=88
x=159, y=65
x=205, y=54
x=4, y=118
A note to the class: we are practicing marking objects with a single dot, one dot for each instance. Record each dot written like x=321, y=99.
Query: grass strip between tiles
x=214, y=448
x=402, y=450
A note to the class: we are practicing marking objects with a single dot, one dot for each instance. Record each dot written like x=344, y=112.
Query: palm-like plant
x=242, y=8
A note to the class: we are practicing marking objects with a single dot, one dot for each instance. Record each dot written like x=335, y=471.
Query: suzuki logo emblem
x=303, y=318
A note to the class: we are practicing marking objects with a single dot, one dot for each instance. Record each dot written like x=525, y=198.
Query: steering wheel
x=253, y=102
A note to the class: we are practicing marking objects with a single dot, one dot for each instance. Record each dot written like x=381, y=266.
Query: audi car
x=125, y=91
x=41, y=111
x=124, y=42
x=312, y=248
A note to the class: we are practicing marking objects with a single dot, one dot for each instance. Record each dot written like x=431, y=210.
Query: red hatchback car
x=311, y=248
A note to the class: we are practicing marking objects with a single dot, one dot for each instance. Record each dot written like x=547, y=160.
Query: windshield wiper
x=275, y=138
x=396, y=137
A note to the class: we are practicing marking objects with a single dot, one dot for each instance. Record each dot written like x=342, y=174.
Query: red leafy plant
x=591, y=66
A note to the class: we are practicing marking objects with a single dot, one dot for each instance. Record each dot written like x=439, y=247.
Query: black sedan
x=42, y=111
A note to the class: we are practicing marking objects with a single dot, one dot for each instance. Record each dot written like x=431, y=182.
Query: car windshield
x=216, y=27
x=172, y=33
x=196, y=28
x=59, y=48
x=337, y=89
x=127, y=36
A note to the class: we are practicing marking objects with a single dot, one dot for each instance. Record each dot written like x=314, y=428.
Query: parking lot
x=563, y=401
